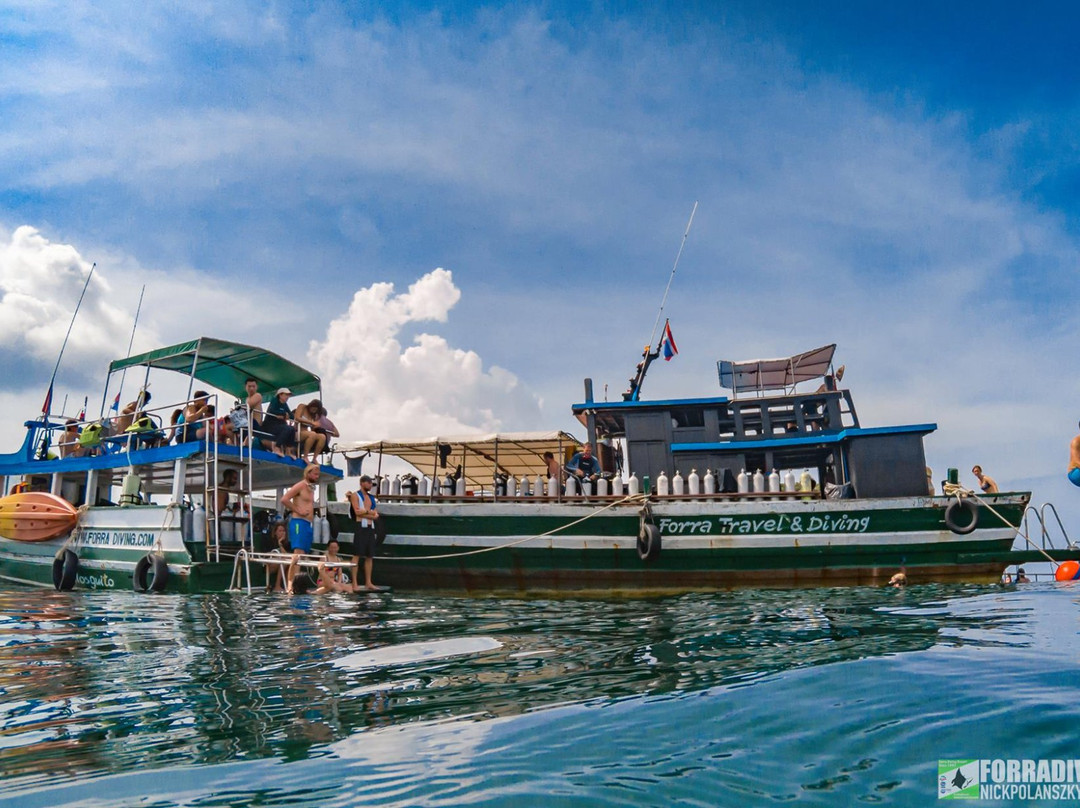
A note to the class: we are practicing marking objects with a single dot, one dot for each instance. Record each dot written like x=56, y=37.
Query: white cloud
x=378, y=388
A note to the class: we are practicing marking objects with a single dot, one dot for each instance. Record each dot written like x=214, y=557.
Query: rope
x=624, y=501
x=953, y=489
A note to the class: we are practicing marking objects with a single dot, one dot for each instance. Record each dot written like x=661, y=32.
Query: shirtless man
x=1074, y=461
x=254, y=402
x=194, y=412
x=986, y=483
x=130, y=412
x=300, y=501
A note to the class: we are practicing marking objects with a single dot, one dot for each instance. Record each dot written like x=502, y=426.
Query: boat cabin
x=766, y=424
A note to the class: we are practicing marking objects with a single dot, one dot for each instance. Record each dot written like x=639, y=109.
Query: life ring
x=65, y=567
x=954, y=508
x=156, y=565
x=649, y=542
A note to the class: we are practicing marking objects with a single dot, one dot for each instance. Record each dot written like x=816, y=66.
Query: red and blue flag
x=667, y=345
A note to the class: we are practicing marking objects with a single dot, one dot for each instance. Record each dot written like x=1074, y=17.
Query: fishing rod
x=649, y=354
x=123, y=375
x=47, y=409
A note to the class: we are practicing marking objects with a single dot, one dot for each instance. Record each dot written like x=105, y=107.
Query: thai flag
x=667, y=345
x=82, y=412
x=115, y=407
x=46, y=408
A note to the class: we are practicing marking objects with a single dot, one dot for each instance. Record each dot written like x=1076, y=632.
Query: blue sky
x=897, y=179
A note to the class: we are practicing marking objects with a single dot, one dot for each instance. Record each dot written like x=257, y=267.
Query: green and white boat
x=771, y=486
x=130, y=512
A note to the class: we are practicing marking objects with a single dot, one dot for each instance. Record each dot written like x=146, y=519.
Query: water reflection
x=109, y=681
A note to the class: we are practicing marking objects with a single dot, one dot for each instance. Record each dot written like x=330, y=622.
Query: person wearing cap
x=276, y=423
x=584, y=465
x=365, y=512
x=1074, y=461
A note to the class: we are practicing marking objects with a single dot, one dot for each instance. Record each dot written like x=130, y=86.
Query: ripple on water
x=725, y=698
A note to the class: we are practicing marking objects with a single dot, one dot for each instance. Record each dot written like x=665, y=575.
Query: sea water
x=742, y=697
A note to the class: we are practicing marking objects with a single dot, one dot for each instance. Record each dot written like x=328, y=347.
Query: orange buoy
x=1067, y=571
x=36, y=516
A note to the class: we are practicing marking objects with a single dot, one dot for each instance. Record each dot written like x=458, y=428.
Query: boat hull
x=704, y=544
x=109, y=544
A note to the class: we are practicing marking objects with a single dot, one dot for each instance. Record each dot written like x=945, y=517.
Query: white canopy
x=517, y=453
x=775, y=374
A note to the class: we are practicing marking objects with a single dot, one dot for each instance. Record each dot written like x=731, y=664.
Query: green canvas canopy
x=226, y=366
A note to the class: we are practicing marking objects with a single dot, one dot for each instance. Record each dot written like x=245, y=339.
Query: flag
x=667, y=345
x=46, y=408
x=82, y=412
x=116, y=404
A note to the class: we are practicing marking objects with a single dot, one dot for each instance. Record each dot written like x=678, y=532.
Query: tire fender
x=649, y=542
x=65, y=567
x=957, y=523
x=154, y=565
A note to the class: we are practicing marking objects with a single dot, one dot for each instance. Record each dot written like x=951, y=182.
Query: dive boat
x=129, y=510
x=772, y=485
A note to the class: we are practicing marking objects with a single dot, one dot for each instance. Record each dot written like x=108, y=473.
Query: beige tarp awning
x=517, y=453
x=775, y=374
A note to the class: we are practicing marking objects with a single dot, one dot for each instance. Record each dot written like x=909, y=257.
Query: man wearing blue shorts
x=1074, y=461
x=300, y=502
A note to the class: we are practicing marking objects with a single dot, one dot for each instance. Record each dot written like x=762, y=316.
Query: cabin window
x=681, y=419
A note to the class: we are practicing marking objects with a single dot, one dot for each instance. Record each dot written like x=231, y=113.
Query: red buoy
x=1068, y=571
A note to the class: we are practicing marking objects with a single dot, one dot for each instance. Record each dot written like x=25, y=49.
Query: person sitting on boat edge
x=194, y=412
x=1074, y=461
x=277, y=424
x=986, y=482
x=310, y=440
x=584, y=465
x=330, y=577
x=130, y=412
x=364, y=509
x=69, y=440
x=300, y=501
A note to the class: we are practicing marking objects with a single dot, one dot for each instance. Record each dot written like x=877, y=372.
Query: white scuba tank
x=602, y=487
x=129, y=494
x=198, y=524
x=324, y=529
x=540, y=488
x=774, y=482
x=511, y=486
x=316, y=531
x=586, y=488
x=806, y=482
x=571, y=486
x=759, y=482
x=789, y=480
x=225, y=527
x=552, y=487
x=693, y=483
x=663, y=485
x=384, y=487
x=423, y=485
x=617, y=485
x=523, y=486
x=710, y=482
x=743, y=482
x=242, y=531
x=634, y=486
x=395, y=486
x=678, y=484
x=459, y=489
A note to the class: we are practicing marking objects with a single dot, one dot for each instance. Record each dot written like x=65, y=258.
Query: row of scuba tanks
x=691, y=485
x=237, y=528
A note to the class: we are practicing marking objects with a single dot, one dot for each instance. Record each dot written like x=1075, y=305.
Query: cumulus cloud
x=379, y=388
x=40, y=284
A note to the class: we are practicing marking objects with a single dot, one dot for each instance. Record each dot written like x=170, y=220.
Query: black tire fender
x=65, y=568
x=150, y=564
x=961, y=525
x=649, y=542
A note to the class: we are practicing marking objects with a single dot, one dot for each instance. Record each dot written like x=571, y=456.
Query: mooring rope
x=953, y=489
x=631, y=498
